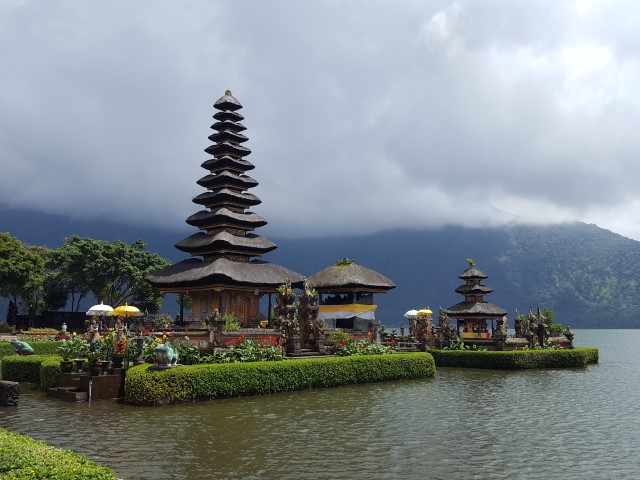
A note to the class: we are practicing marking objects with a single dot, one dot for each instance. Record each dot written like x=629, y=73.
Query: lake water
x=577, y=423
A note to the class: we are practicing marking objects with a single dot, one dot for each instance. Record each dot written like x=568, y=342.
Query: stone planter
x=66, y=366
x=94, y=369
x=79, y=362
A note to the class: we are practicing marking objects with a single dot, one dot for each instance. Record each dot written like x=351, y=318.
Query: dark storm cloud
x=361, y=115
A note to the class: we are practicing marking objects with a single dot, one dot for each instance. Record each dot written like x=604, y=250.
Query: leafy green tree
x=56, y=295
x=555, y=329
x=113, y=272
x=69, y=264
x=21, y=271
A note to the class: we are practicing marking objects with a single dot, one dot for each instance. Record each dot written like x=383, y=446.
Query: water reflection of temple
x=346, y=294
x=474, y=313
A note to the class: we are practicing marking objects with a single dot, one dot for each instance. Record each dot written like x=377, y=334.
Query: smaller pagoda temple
x=346, y=294
x=474, y=312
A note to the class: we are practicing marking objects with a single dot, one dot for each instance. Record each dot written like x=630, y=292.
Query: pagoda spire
x=226, y=224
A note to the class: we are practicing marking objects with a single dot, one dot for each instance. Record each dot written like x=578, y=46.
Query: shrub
x=25, y=458
x=50, y=372
x=6, y=349
x=241, y=349
x=188, y=383
x=45, y=347
x=353, y=346
x=336, y=337
x=40, y=347
x=28, y=369
x=75, y=347
x=231, y=323
x=516, y=359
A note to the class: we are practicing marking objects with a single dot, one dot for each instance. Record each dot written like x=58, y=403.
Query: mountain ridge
x=588, y=275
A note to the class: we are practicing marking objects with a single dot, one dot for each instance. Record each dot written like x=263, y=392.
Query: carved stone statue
x=568, y=334
x=286, y=317
x=22, y=348
x=165, y=355
x=500, y=334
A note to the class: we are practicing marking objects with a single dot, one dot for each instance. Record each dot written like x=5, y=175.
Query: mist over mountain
x=588, y=275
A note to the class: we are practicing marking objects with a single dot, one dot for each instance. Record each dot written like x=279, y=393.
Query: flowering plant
x=360, y=346
x=75, y=347
x=241, y=349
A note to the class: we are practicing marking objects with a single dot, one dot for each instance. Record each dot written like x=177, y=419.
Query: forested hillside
x=588, y=275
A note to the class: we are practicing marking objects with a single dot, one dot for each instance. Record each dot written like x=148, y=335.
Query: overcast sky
x=361, y=115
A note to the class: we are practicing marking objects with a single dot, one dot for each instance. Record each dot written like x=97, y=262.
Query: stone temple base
x=80, y=387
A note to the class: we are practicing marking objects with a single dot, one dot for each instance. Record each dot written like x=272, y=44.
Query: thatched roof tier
x=228, y=136
x=471, y=273
x=225, y=243
x=230, y=125
x=227, y=102
x=222, y=273
x=475, y=310
x=352, y=277
x=228, y=198
x=228, y=115
x=226, y=179
x=473, y=289
x=225, y=218
x=227, y=163
x=220, y=149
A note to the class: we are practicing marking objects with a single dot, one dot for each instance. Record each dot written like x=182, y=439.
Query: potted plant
x=66, y=351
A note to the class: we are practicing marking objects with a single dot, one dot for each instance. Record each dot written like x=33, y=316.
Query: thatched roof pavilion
x=228, y=278
x=346, y=294
x=350, y=277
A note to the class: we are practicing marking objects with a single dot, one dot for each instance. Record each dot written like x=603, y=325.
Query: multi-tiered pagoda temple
x=473, y=313
x=228, y=278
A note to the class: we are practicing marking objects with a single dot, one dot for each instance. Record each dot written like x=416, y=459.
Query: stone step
x=68, y=394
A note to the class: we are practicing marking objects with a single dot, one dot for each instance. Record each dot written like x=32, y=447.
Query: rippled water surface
x=579, y=423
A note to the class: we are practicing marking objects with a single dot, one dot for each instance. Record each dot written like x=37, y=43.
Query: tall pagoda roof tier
x=226, y=162
x=225, y=218
x=225, y=196
x=227, y=102
x=225, y=243
x=228, y=125
x=351, y=277
x=473, y=289
x=475, y=310
x=222, y=272
x=228, y=115
x=225, y=148
x=471, y=273
x=227, y=179
x=227, y=136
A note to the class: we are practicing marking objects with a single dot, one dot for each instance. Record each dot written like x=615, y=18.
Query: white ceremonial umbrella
x=99, y=310
x=411, y=313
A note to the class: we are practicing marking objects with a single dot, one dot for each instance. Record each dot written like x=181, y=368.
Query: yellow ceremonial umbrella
x=125, y=310
x=425, y=311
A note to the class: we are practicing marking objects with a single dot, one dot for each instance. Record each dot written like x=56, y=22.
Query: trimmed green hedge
x=195, y=382
x=516, y=359
x=50, y=372
x=6, y=349
x=25, y=458
x=41, y=369
x=40, y=347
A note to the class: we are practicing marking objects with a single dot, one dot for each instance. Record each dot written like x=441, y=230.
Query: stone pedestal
x=9, y=393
